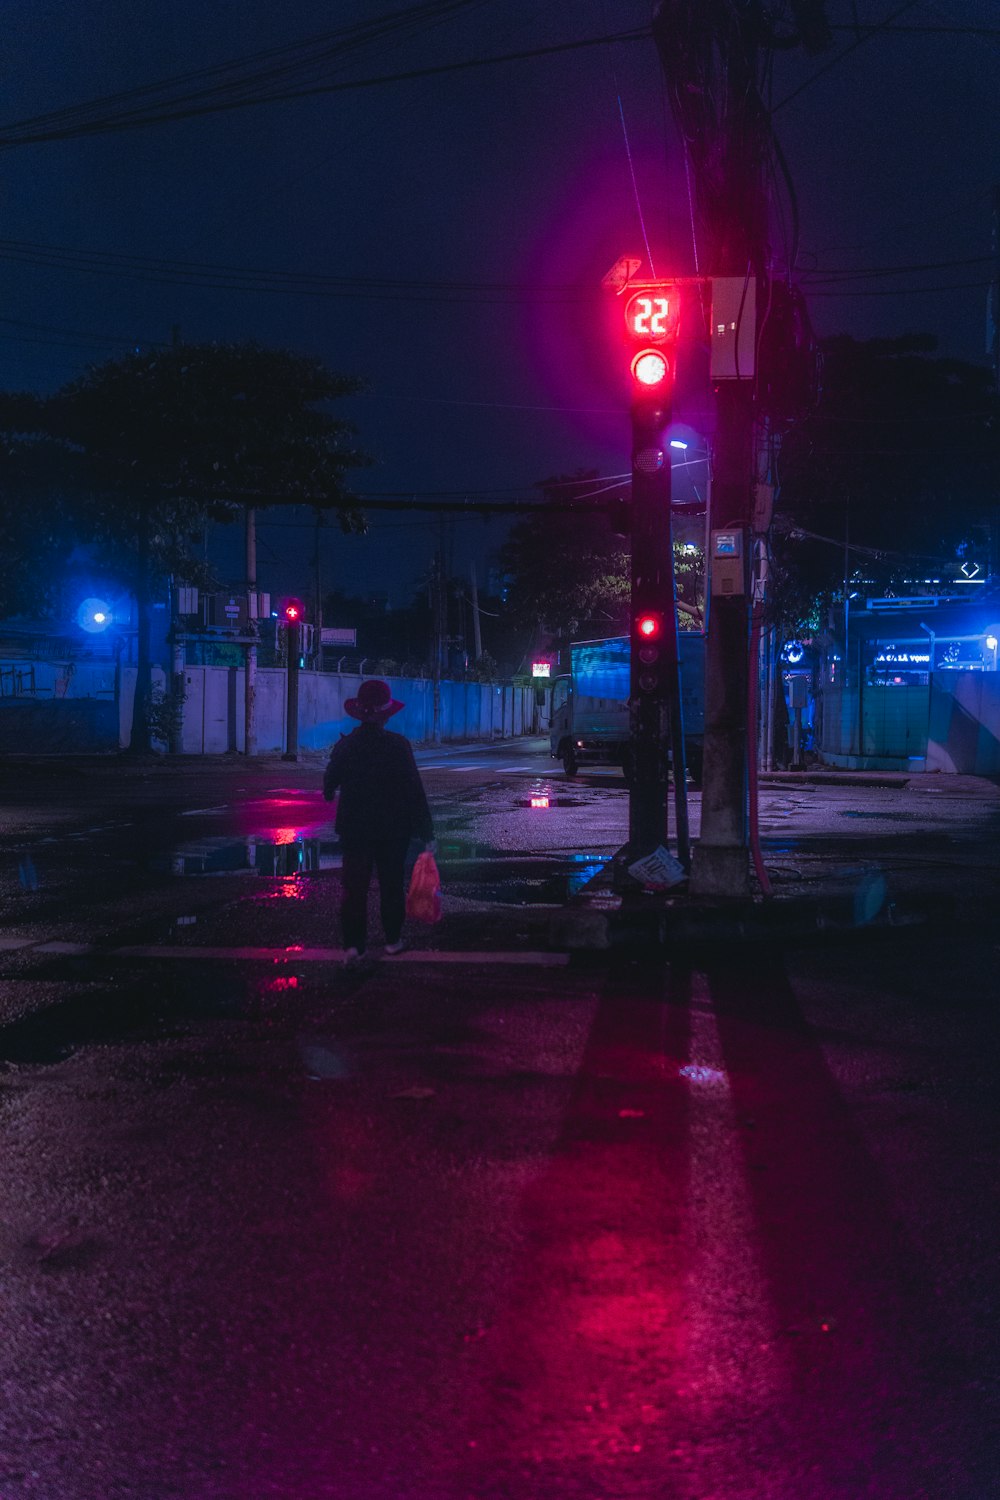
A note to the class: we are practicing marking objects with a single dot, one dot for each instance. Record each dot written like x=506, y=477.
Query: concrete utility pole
x=440, y=630
x=477, y=632
x=993, y=349
x=250, y=658
x=318, y=607
x=292, y=638
x=711, y=52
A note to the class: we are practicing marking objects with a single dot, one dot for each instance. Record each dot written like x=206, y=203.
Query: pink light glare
x=573, y=346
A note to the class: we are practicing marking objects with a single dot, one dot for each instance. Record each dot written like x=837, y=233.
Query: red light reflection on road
x=288, y=890
x=591, y=1349
x=539, y=801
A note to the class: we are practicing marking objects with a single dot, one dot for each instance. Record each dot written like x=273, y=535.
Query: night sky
x=462, y=223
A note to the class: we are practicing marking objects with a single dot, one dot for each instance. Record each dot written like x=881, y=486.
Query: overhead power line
x=859, y=41
x=258, y=279
x=825, y=278
x=25, y=133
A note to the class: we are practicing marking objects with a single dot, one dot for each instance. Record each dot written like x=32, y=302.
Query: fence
x=213, y=720
x=66, y=712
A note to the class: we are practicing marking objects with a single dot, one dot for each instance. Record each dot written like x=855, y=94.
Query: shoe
x=353, y=956
x=396, y=947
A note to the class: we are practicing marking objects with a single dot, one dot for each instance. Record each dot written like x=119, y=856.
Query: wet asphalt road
x=481, y=1222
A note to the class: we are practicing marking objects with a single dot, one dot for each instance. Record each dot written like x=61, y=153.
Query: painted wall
x=964, y=733
x=213, y=709
x=953, y=725
x=75, y=709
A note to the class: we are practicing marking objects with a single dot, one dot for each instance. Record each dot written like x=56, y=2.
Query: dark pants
x=388, y=857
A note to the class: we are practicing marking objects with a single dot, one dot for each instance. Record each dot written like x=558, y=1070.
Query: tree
x=570, y=571
x=144, y=449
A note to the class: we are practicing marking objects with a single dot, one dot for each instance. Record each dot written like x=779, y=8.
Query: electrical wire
x=834, y=62
x=219, y=276
x=18, y=133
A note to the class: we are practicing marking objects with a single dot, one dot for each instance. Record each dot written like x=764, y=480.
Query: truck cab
x=589, y=722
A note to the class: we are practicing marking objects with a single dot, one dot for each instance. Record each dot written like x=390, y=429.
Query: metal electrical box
x=734, y=327
x=728, y=562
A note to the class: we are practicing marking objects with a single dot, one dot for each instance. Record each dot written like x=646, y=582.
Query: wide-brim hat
x=373, y=703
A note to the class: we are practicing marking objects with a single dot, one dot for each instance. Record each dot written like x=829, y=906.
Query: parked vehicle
x=589, y=723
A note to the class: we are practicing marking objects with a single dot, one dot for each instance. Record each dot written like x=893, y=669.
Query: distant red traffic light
x=648, y=626
x=292, y=611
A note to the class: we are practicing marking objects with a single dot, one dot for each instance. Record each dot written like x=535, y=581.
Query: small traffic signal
x=648, y=637
x=292, y=611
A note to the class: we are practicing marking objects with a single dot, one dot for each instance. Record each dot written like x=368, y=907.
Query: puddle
x=281, y=856
x=885, y=817
x=55, y=1033
x=470, y=869
x=520, y=882
x=542, y=799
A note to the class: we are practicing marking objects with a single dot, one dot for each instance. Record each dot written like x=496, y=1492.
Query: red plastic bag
x=423, y=900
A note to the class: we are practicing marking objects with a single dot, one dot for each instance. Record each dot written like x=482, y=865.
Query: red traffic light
x=292, y=611
x=648, y=627
x=650, y=367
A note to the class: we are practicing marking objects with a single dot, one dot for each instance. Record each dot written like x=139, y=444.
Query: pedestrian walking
x=382, y=806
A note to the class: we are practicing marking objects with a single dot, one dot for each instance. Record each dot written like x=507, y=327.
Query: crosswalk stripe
x=303, y=955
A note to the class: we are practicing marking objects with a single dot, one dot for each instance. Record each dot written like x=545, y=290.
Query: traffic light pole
x=656, y=717
x=292, y=715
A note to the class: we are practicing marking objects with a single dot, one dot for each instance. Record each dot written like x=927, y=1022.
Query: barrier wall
x=953, y=725
x=213, y=721
x=964, y=732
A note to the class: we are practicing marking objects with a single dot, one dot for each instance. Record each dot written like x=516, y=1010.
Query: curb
x=597, y=920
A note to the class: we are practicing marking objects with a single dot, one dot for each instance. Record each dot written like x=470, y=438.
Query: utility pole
x=176, y=698
x=293, y=631
x=477, y=633
x=713, y=54
x=318, y=607
x=250, y=649
x=993, y=349
x=440, y=629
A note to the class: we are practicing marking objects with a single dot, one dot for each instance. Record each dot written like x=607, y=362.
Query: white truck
x=589, y=723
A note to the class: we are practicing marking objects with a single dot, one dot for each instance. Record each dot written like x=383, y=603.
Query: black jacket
x=381, y=794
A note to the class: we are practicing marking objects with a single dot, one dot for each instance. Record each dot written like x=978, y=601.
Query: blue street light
x=94, y=616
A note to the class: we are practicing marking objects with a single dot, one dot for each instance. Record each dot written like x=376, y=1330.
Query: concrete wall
x=213, y=709
x=953, y=725
x=57, y=727
x=964, y=733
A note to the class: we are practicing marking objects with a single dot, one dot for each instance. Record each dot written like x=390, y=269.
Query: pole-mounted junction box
x=728, y=562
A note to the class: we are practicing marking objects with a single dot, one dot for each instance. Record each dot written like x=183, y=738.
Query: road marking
x=305, y=955
x=10, y=944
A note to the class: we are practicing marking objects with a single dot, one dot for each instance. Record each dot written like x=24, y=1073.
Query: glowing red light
x=648, y=626
x=292, y=612
x=649, y=367
x=539, y=801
